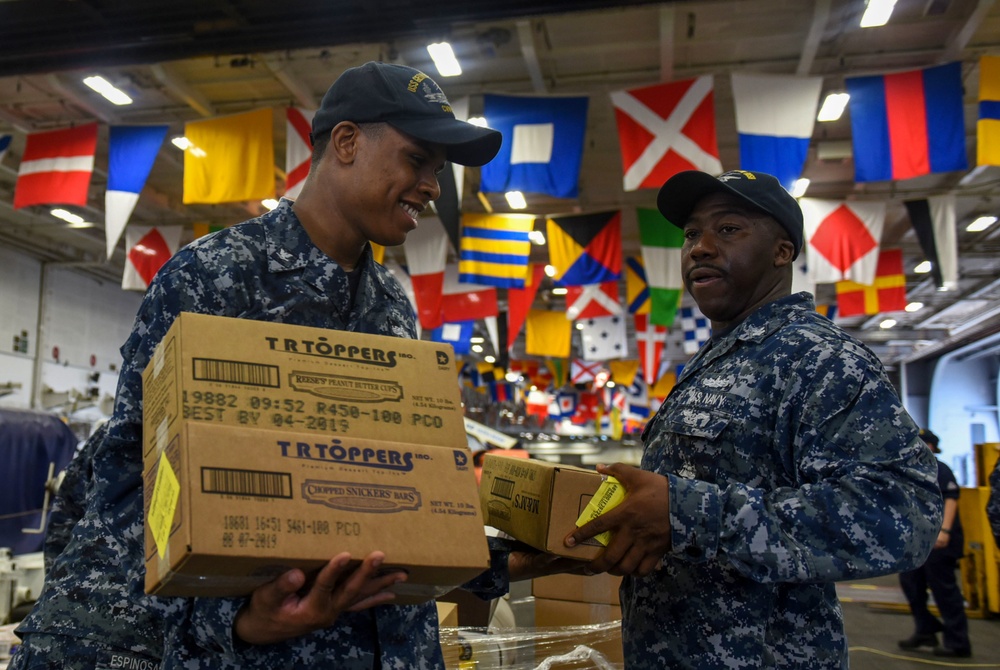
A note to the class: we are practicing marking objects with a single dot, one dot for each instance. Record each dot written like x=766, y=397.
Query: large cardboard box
x=264, y=450
x=228, y=509
x=602, y=588
x=595, y=626
x=538, y=502
x=258, y=374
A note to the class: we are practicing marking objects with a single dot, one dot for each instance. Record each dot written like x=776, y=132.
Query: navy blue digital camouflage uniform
x=70, y=501
x=993, y=504
x=791, y=465
x=266, y=269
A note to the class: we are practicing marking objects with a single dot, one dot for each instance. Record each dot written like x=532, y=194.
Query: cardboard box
x=269, y=446
x=602, y=632
x=538, y=502
x=228, y=509
x=257, y=374
x=602, y=588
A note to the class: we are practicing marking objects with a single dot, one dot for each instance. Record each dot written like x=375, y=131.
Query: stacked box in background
x=269, y=446
x=576, y=600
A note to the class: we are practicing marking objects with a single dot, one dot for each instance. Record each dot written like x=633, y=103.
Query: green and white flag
x=661, y=255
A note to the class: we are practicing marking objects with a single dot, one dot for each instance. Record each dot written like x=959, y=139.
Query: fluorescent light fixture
x=537, y=237
x=516, y=200
x=478, y=121
x=477, y=348
x=799, y=187
x=68, y=217
x=914, y=307
x=559, y=290
x=477, y=340
x=833, y=107
x=887, y=324
x=579, y=325
x=550, y=270
x=105, y=88
x=270, y=203
x=981, y=224
x=444, y=59
x=877, y=13
x=184, y=144
x=923, y=267
x=512, y=377
x=490, y=359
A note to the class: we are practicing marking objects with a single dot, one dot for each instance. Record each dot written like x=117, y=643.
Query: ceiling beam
x=821, y=13
x=667, y=19
x=953, y=51
x=181, y=89
x=299, y=89
x=526, y=35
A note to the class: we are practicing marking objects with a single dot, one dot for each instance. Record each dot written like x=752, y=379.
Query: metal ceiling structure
x=183, y=61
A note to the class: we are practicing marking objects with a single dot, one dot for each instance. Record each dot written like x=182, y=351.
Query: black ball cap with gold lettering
x=679, y=195
x=410, y=101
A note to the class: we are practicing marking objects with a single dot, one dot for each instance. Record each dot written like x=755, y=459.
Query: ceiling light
x=833, y=107
x=550, y=270
x=489, y=359
x=560, y=290
x=105, y=88
x=914, y=307
x=579, y=325
x=478, y=121
x=512, y=377
x=477, y=340
x=923, y=267
x=981, y=224
x=444, y=59
x=516, y=200
x=270, y=203
x=887, y=324
x=537, y=237
x=799, y=187
x=477, y=348
x=877, y=13
x=182, y=143
x=68, y=217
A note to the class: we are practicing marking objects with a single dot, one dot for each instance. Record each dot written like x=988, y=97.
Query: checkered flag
x=697, y=331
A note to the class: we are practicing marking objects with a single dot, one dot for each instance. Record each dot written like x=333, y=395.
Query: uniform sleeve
x=865, y=499
x=993, y=505
x=70, y=501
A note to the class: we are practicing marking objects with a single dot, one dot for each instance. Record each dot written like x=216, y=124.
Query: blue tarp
x=29, y=442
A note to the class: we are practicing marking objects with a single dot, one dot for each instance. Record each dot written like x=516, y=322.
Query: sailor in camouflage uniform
x=993, y=504
x=382, y=134
x=781, y=462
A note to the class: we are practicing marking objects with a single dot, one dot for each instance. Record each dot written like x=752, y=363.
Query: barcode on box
x=246, y=482
x=236, y=372
x=502, y=488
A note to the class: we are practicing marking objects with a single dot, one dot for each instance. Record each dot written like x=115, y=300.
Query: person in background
x=993, y=504
x=938, y=575
x=381, y=136
x=781, y=462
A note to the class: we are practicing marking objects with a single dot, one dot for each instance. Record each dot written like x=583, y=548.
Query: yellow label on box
x=607, y=497
x=166, y=492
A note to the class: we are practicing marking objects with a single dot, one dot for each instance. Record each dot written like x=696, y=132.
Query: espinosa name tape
x=609, y=494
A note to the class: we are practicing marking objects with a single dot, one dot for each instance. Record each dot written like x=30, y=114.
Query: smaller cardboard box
x=538, y=502
x=228, y=509
x=602, y=588
x=592, y=625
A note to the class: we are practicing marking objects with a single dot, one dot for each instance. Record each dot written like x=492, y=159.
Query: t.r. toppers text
x=320, y=347
x=389, y=459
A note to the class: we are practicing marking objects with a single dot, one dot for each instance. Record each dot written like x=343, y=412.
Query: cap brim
x=464, y=143
x=680, y=193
